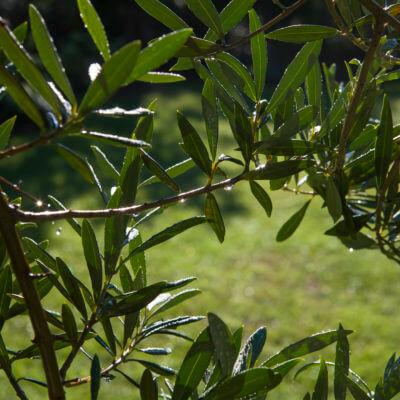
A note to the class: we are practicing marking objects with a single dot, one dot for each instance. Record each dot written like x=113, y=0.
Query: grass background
x=296, y=288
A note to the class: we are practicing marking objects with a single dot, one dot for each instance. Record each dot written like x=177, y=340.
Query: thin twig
x=18, y=189
x=14, y=383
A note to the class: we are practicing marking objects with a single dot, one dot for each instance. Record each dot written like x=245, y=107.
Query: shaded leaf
x=262, y=197
x=284, y=368
x=95, y=27
x=95, y=375
x=214, y=217
x=69, y=323
x=71, y=221
x=290, y=226
x=148, y=387
x=5, y=290
x=104, y=163
x=288, y=147
x=243, y=132
x=341, y=364
x=158, y=369
x=210, y=115
x=277, y=170
x=321, y=386
x=333, y=199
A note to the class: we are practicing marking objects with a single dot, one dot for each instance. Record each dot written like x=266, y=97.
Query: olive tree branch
x=380, y=14
x=22, y=272
x=356, y=98
x=21, y=215
x=18, y=189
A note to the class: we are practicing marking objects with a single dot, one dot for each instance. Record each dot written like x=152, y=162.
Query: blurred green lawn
x=296, y=288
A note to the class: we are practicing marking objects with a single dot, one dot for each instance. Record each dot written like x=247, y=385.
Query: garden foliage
x=313, y=136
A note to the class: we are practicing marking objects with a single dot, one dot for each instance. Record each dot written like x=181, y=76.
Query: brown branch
x=285, y=13
x=21, y=269
x=380, y=14
x=30, y=216
x=356, y=98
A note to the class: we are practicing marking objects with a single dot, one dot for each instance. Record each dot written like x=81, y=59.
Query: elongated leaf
x=290, y=147
x=5, y=290
x=27, y=68
x=138, y=261
x=333, y=199
x=223, y=342
x=5, y=131
x=253, y=381
x=194, y=146
x=248, y=85
x=305, y=346
x=114, y=140
x=20, y=32
x=277, y=170
x=162, y=13
x=193, y=366
x=341, y=364
x=112, y=76
x=159, y=171
x=104, y=163
x=157, y=53
x=177, y=299
x=250, y=351
x=92, y=256
x=148, y=387
x=295, y=73
x=72, y=286
x=195, y=47
x=231, y=15
x=243, y=133
x=48, y=53
x=167, y=234
x=356, y=391
x=284, y=368
x=302, y=33
x=95, y=27
x=206, y=12
x=40, y=253
x=176, y=170
x=69, y=323
x=262, y=197
x=259, y=54
x=321, y=386
x=183, y=64
x=214, y=217
x=161, y=77
x=384, y=143
x=290, y=226
x=76, y=162
x=17, y=92
x=314, y=86
x=210, y=114
x=95, y=378
x=157, y=368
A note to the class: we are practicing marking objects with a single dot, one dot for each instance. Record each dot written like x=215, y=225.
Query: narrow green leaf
x=40, y=253
x=321, y=386
x=250, y=351
x=5, y=290
x=5, y=131
x=333, y=199
x=243, y=132
x=195, y=47
x=193, y=366
x=17, y=92
x=305, y=346
x=25, y=66
x=76, y=162
x=4, y=359
x=167, y=234
x=72, y=286
x=95, y=27
x=262, y=197
x=108, y=330
x=277, y=170
x=162, y=13
x=223, y=342
x=148, y=387
x=48, y=53
x=356, y=391
x=138, y=261
x=295, y=73
x=231, y=15
x=183, y=64
x=247, y=85
x=259, y=54
x=313, y=86
x=95, y=378
x=194, y=146
x=20, y=32
x=290, y=226
x=103, y=162
x=157, y=53
x=69, y=323
x=302, y=33
x=206, y=12
x=71, y=221
x=288, y=147
x=154, y=167
x=384, y=143
x=341, y=364
x=161, y=77
x=92, y=256
x=112, y=76
x=156, y=368
x=177, y=299
x=214, y=217
x=256, y=381
x=210, y=115
x=284, y=368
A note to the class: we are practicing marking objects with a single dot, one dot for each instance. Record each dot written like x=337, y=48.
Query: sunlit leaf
x=5, y=131
x=302, y=33
x=214, y=217
x=262, y=197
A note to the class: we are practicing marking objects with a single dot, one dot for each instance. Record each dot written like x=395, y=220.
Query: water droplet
x=112, y=190
x=48, y=205
x=20, y=182
x=39, y=203
x=228, y=188
x=52, y=222
x=351, y=250
x=182, y=200
x=58, y=231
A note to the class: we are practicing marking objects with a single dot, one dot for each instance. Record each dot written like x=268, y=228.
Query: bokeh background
x=296, y=288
